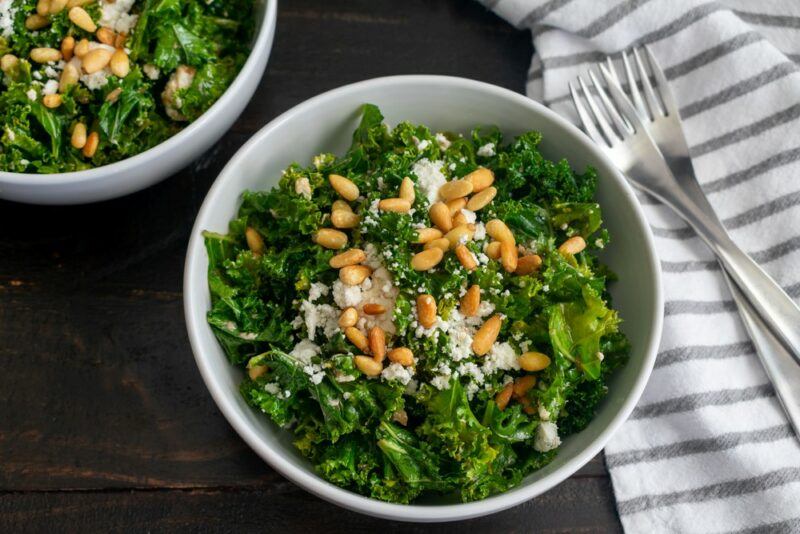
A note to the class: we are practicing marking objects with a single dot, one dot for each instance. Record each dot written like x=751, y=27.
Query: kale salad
x=425, y=314
x=84, y=83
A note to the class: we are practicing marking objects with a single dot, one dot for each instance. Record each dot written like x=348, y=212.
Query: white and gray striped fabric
x=708, y=449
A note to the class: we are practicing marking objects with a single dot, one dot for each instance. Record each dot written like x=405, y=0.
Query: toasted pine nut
x=424, y=235
x=367, y=365
x=345, y=219
x=345, y=187
x=113, y=96
x=51, y=101
x=95, y=60
x=493, y=250
x=402, y=355
x=352, y=275
x=353, y=256
x=254, y=241
x=442, y=243
x=523, y=384
x=502, y=398
x=43, y=7
x=471, y=301
x=455, y=189
x=330, y=238
x=481, y=178
x=459, y=235
x=119, y=40
x=57, y=6
x=78, y=139
x=398, y=205
x=466, y=258
x=370, y=308
x=459, y=219
x=573, y=245
x=36, y=22
x=67, y=47
x=256, y=371
x=456, y=205
x=120, y=64
x=377, y=343
x=407, y=190
x=486, y=335
x=81, y=19
x=499, y=231
x=482, y=199
x=427, y=259
x=426, y=310
x=508, y=256
x=69, y=77
x=357, y=338
x=341, y=205
x=527, y=407
x=92, y=142
x=45, y=55
x=528, y=264
x=440, y=216
x=8, y=62
x=106, y=36
x=349, y=317
x=534, y=361
x=81, y=48
x=400, y=416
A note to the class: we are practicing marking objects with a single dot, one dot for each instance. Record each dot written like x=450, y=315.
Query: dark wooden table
x=105, y=423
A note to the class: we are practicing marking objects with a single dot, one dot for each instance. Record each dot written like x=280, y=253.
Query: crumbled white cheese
x=7, y=14
x=317, y=290
x=378, y=288
x=95, y=80
x=429, y=178
x=304, y=352
x=500, y=358
x=469, y=216
x=397, y=372
x=315, y=316
x=272, y=388
x=31, y=94
x=480, y=232
x=303, y=187
x=115, y=15
x=422, y=145
x=442, y=141
x=486, y=151
x=151, y=71
x=546, y=438
x=50, y=88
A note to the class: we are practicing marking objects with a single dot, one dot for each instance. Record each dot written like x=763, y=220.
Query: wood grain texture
x=104, y=420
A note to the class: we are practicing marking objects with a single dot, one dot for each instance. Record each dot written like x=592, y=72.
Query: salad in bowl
x=425, y=314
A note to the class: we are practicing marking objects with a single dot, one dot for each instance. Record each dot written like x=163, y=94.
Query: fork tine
x=623, y=128
x=611, y=137
x=663, y=86
x=634, y=89
x=625, y=106
x=586, y=120
x=649, y=93
x=612, y=69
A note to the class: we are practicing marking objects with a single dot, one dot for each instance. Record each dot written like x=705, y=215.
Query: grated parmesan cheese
x=430, y=178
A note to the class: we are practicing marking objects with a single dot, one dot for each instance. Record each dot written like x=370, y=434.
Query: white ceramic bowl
x=152, y=166
x=325, y=124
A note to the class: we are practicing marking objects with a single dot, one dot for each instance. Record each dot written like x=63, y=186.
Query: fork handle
x=773, y=305
x=780, y=368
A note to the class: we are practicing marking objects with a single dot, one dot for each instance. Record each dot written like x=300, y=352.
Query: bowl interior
x=324, y=124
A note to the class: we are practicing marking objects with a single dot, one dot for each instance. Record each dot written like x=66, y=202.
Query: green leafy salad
x=84, y=83
x=425, y=314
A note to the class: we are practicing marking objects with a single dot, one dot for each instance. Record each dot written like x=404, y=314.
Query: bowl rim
x=95, y=174
x=194, y=286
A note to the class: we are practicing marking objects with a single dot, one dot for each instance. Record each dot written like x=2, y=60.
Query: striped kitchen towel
x=708, y=449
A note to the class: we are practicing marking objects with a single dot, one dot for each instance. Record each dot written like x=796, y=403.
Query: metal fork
x=644, y=138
